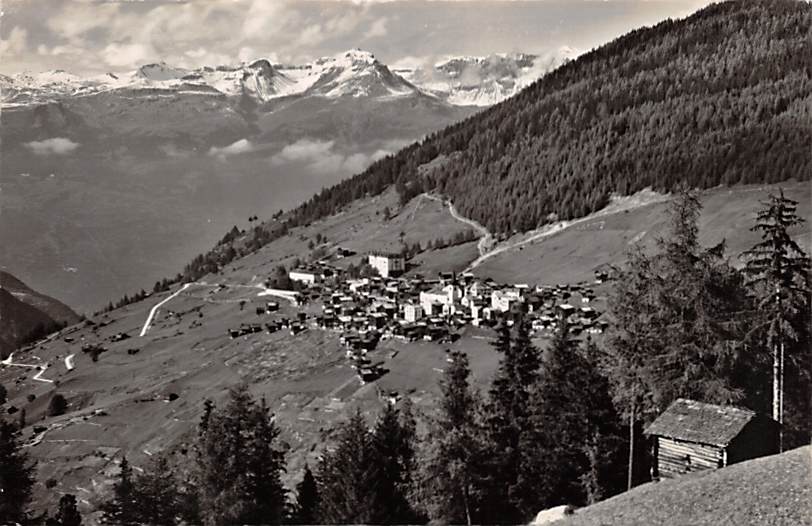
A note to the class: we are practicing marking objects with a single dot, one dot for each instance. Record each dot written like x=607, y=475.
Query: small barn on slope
x=692, y=436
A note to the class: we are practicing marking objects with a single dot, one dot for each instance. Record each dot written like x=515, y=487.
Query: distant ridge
x=461, y=81
x=26, y=314
x=719, y=98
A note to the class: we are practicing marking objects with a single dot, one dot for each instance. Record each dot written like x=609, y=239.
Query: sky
x=91, y=37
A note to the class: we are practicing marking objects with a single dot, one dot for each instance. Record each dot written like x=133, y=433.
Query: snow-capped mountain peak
x=485, y=80
x=356, y=73
x=463, y=81
x=159, y=72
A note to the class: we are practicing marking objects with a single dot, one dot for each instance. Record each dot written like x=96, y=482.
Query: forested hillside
x=721, y=97
x=27, y=315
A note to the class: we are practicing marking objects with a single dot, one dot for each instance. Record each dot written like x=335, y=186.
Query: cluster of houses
x=688, y=436
x=294, y=326
x=412, y=308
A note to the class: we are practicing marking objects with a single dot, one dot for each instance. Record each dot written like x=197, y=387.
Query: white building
x=442, y=299
x=501, y=300
x=412, y=312
x=304, y=276
x=387, y=265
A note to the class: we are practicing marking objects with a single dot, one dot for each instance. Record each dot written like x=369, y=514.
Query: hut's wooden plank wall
x=673, y=455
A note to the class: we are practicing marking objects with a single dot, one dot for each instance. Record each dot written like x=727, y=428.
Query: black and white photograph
x=405, y=262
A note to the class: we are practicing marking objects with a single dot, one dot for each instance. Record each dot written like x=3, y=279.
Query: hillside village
x=388, y=305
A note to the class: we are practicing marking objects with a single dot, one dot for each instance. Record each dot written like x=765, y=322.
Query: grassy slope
x=775, y=490
x=306, y=378
x=574, y=253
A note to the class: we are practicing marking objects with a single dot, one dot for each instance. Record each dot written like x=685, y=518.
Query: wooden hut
x=693, y=436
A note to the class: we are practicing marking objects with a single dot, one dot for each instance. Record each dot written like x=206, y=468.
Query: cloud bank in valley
x=236, y=148
x=52, y=146
x=323, y=157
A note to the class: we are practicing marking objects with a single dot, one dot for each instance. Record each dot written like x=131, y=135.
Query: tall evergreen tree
x=157, y=497
x=345, y=476
x=16, y=476
x=307, y=499
x=778, y=274
x=123, y=508
x=392, y=461
x=679, y=324
x=507, y=420
x=451, y=479
x=239, y=463
x=68, y=512
x=573, y=441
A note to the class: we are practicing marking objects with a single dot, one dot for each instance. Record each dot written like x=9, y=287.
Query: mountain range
x=112, y=182
x=461, y=81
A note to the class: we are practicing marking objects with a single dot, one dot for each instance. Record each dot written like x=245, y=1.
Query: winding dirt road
x=154, y=310
x=485, y=239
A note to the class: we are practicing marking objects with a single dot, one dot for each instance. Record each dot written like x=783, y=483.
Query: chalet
x=387, y=264
x=301, y=275
x=694, y=436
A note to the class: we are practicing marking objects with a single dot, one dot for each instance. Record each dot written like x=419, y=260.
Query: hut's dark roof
x=700, y=422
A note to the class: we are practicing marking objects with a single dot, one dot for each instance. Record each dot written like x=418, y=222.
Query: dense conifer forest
x=721, y=97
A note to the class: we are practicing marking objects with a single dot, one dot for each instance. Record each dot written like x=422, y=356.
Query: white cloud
x=304, y=150
x=16, y=42
x=412, y=62
x=377, y=29
x=174, y=152
x=77, y=18
x=127, y=55
x=53, y=146
x=235, y=148
x=321, y=157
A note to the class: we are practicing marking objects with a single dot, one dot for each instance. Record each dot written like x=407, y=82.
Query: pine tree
x=123, y=508
x=392, y=459
x=571, y=453
x=239, y=463
x=451, y=478
x=68, y=513
x=679, y=323
x=157, y=497
x=16, y=476
x=778, y=272
x=307, y=499
x=345, y=476
x=507, y=420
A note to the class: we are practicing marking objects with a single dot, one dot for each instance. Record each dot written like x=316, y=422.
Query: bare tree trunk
x=781, y=397
x=467, y=507
x=631, y=447
x=776, y=387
